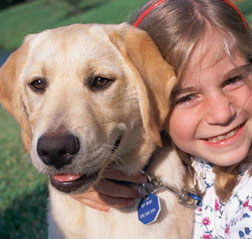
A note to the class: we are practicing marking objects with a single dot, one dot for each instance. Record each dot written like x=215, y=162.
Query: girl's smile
x=212, y=106
x=225, y=139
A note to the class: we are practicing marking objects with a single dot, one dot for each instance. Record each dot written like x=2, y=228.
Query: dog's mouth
x=116, y=145
x=70, y=183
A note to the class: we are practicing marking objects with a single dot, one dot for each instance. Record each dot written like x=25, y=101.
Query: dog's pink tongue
x=66, y=177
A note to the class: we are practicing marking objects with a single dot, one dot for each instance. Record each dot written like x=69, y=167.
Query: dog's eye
x=38, y=85
x=100, y=83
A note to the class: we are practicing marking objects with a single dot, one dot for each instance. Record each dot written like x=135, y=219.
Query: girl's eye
x=234, y=81
x=185, y=99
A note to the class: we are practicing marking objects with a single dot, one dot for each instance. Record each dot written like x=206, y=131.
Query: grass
x=23, y=192
x=38, y=15
x=246, y=8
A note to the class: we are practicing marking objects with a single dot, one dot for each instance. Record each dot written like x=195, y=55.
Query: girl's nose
x=220, y=111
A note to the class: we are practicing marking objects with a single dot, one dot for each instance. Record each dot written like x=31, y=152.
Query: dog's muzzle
x=58, y=150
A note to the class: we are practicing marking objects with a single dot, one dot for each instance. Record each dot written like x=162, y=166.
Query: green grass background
x=38, y=15
x=23, y=192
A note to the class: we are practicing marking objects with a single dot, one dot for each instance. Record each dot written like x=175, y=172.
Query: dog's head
x=87, y=96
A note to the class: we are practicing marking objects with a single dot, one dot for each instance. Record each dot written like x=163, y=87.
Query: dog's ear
x=11, y=94
x=157, y=77
x=7, y=82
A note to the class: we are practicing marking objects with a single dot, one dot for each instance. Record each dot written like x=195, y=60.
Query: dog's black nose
x=57, y=149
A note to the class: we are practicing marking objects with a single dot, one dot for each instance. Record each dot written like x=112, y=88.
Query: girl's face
x=211, y=116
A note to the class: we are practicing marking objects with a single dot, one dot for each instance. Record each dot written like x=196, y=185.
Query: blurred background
x=23, y=192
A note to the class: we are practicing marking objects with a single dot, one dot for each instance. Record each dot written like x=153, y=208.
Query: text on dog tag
x=149, y=209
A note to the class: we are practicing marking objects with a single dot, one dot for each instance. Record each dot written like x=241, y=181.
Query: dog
x=89, y=96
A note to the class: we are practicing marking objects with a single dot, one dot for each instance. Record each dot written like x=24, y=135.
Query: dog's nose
x=57, y=150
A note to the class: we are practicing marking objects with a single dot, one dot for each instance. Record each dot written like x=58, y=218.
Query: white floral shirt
x=217, y=220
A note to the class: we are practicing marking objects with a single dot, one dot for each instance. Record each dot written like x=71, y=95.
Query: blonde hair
x=176, y=26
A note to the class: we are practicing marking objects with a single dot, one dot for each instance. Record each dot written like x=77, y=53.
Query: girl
x=209, y=44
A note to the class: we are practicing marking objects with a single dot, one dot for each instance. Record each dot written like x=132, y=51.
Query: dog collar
x=155, y=185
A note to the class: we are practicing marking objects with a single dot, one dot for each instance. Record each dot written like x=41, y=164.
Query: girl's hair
x=176, y=26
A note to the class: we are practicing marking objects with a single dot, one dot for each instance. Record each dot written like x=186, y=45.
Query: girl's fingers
x=119, y=175
x=113, y=189
x=107, y=194
x=102, y=202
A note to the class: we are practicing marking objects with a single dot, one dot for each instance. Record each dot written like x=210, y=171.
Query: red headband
x=238, y=11
x=147, y=11
x=153, y=6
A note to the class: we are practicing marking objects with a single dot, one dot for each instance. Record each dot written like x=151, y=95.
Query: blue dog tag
x=148, y=209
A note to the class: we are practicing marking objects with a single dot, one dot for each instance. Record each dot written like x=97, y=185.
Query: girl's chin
x=226, y=158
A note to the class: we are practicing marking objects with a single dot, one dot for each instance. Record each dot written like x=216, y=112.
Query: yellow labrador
x=88, y=96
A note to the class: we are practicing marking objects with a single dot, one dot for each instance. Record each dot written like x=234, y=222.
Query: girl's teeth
x=222, y=137
x=213, y=140
x=231, y=134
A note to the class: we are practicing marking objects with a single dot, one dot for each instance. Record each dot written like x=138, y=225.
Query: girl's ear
x=156, y=78
x=11, y=97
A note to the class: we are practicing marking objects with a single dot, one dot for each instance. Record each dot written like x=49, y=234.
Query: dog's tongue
x=66, y=177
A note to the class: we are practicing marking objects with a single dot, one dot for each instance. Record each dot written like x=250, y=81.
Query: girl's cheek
x=247, y=101
x=180, y=124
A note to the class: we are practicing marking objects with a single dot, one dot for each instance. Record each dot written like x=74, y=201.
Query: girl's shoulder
x=231, y=219
x=242, y=192
x=244, y=182
x=239, y=209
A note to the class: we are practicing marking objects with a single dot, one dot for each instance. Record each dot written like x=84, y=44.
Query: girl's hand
x=111, y=194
